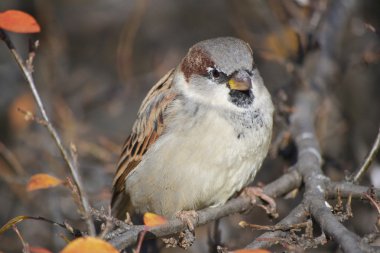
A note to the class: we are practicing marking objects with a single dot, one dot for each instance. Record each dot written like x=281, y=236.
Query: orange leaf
x=19, y=22
x=38, y=250
x=42, y=181
x=251, y=251
x=152, y=219
x=89, y=245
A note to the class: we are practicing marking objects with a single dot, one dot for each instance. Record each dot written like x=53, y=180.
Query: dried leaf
x=42, y=181
x=292, y=194
x=281, y=44
x=251, y=251
x=19, y=22
x=39, y=250
x=152, y=219
x=89, y=245
x=12, y=222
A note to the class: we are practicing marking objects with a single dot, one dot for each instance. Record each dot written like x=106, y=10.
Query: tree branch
x=347, y=189
x=302, y=127
x=281, y=186
x=297, y=215
x=27, y=70
x=309, y=164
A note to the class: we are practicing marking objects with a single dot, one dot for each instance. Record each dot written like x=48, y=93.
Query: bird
x=201, y=134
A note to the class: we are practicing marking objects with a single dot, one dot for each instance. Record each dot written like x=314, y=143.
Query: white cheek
x=218, y=95
x=258, y=86
x=262, y=97
x=210, y=94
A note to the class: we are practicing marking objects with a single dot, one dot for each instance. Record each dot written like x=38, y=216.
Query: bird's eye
x=215, y=73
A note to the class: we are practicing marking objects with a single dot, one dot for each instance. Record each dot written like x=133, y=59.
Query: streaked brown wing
x=148, y=127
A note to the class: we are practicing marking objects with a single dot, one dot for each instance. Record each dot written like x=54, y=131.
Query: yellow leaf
x=152, y=219
x=292, y=194
x=89, y=245
x=12, y=222
x=42, y=181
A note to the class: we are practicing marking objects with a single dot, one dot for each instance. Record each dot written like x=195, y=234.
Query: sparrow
x=201, y=134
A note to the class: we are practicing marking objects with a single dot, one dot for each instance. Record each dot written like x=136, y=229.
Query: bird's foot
x=256, y=192
x=187, y=237
x=188, y=217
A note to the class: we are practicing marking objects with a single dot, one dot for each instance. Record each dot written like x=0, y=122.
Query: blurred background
x=97, y=60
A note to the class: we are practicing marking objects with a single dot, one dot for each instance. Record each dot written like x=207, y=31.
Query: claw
x=187, y=237
x=253, y=192
x=187, y=217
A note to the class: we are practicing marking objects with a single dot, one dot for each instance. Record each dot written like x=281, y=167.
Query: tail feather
x=120, y=205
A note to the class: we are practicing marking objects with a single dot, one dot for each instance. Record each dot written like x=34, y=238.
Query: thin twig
x=140, y=241
x=373, y=201
x=25, y=245
x=27, y=72
x=102, y=215
x=347, y=189
x=11, y=159
x=297, y=215
x=75, y=194
x=29, y=116
x=108, y=225
x=282, y=227
x=369, y=159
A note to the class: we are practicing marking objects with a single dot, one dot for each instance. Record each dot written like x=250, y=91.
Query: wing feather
x=148, y=127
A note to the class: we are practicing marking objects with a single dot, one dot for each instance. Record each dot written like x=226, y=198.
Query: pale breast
x=198, y=164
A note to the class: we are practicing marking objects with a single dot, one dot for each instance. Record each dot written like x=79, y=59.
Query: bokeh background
x=97, y=60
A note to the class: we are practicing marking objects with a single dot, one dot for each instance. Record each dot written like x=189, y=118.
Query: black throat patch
x=241, y=98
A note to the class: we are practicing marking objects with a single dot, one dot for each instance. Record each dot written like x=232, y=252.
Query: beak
x=240, y=82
